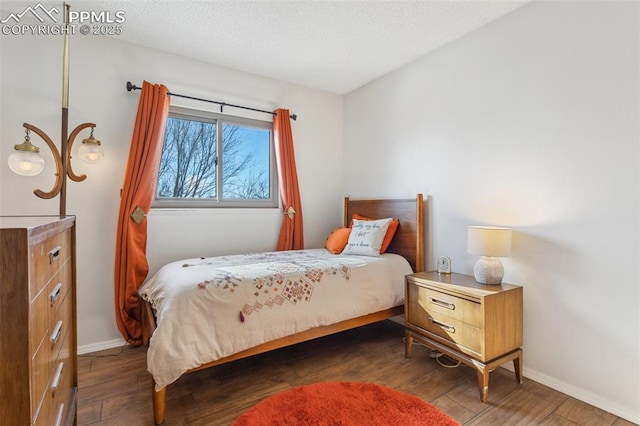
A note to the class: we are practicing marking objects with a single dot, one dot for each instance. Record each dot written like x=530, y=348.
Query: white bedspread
x=210, y=308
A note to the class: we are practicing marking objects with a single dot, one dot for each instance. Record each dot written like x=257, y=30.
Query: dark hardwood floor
x=115, y=388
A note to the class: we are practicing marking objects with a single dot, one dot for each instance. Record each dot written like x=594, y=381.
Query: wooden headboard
x=409, y=239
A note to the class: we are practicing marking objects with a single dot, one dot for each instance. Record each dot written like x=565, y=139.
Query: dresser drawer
x=50, y=349
x=40, y=375
x=46, y=258
x=57, y=392
x=61, y=324
x=44, y=415
x=62, y=382
x=59, y=288
x=435, y=302
x=44, y=308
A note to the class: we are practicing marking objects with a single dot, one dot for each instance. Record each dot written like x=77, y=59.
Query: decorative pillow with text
x=391, y=231
x=366, y=237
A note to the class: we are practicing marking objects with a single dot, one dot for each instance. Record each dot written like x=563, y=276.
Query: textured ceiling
x=331, y=45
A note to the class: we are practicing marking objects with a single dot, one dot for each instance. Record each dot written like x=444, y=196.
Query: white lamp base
x=488, y=270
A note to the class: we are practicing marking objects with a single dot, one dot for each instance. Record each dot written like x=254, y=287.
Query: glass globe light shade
x=26, y=163
x=91, y=152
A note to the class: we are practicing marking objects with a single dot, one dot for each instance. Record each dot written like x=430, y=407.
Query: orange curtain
x=131, y=265
x=291, y=233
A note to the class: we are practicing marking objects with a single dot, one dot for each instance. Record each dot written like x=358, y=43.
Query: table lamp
x=489, y=242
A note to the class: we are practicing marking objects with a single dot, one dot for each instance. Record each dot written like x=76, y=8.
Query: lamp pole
x=65, y=112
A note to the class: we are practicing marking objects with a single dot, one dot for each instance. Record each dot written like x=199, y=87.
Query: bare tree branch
x=188, y=162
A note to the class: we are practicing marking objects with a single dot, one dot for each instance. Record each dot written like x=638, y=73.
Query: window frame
x=218, y=202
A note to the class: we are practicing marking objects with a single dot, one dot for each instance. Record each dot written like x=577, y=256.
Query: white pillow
x=366, y=237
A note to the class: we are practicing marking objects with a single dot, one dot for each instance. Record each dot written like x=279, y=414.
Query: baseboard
x=605, y=404
x=100, y=346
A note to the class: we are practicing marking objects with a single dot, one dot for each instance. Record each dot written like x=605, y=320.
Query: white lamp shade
x=91, y=153
x=489, y=241
x=26, y=163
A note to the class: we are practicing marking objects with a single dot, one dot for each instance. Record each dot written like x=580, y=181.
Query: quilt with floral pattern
x=210, y=308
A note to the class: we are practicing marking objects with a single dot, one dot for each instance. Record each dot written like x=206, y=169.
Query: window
x=214, y=160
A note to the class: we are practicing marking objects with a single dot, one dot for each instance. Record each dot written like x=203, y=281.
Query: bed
x=294, y=303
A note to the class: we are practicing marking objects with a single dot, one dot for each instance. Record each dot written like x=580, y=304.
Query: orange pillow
x=337, y=240
x=391, y=230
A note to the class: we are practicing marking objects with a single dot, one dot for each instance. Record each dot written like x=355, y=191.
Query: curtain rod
x=131, y=86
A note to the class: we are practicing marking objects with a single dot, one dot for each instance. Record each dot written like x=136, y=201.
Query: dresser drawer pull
x=56, y=333
x=442, y=303
x=55, y=293
x=59, y=415
x=57, y=377
x=54, y=254
x=447, y=327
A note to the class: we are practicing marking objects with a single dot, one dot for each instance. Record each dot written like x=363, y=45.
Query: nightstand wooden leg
x=517, y=367
x=408, y=344
x=483, y=384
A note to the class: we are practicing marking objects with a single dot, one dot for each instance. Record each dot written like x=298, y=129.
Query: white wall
x=100, y=67
x=530, y=122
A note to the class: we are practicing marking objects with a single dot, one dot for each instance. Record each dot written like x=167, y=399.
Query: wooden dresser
x=38, y=355
x=476, y=324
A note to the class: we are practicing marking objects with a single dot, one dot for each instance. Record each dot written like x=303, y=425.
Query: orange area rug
x=343, y=403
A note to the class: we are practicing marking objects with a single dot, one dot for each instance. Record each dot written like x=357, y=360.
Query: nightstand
x=478, y=325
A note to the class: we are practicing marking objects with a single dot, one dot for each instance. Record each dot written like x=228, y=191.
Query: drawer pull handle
x=56, y=333
x=442, y=303
x=54, y=254
x=447, y=327
x=57, y=377
x=59, y=415
x=55, y=293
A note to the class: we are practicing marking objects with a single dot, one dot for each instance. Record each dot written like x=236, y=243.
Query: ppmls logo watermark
x=40, y=20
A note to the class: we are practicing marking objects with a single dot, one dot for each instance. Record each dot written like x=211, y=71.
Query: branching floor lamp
x=26, y=159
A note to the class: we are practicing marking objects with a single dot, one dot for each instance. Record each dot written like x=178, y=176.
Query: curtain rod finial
x=131, y=86
x=293, y=117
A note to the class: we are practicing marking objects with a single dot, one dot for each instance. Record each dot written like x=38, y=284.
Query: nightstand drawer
x=457, y=332
x=443, y=304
